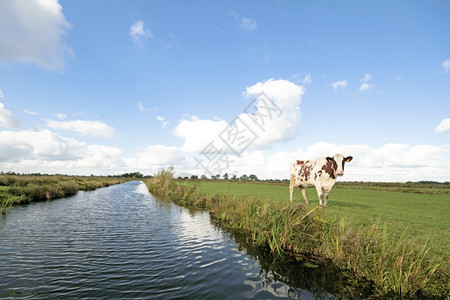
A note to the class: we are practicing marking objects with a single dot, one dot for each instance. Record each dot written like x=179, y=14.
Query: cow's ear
x=330, y=159
x=348, y=158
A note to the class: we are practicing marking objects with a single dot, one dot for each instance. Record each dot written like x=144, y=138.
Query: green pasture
x=423, y=217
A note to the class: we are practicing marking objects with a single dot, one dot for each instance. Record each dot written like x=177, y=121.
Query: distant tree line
x=252, y=177
x=226, y=176
x=131, y=175
x=125, y=175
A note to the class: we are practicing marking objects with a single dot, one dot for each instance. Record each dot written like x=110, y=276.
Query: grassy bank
x=16, y=190
x=424, y=215
x=395, y=263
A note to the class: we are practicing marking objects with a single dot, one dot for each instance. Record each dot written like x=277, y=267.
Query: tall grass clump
x=398, y=265
x=163, y=183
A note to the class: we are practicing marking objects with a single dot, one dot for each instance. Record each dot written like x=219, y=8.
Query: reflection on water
x=303, y=278
x=122, y=242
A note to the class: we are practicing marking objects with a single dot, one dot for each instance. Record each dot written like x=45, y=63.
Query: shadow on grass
x=347, y=204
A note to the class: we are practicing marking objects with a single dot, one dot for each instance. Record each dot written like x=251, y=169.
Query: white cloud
x=283, y=92
x=366, y=78
x=141, y=107
x=138, y=33
x=248, y=25
x=443, y=126
x=36, y=145
x=365, y=83
x=29, y=112
x=339, y=84
x=197, y=133
x=234, y=15
x=7, y=119
x=154, y=157
x=98, y=157
x=366, y=86
x=280, y=122
x=307, y=79
x=47, y=152
x=61, y=116
x=446, y=65
x=93, y=128
x=163, y=121
x=34, y=32
x=269, y=118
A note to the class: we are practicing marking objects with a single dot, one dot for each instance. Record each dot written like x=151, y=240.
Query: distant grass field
x=425, y=217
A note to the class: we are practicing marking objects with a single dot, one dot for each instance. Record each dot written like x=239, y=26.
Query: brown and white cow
x=319, y=172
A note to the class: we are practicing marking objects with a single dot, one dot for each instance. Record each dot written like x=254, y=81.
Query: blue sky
x=107, y=87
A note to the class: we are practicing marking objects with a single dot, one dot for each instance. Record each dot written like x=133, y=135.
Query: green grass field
x=425, y=217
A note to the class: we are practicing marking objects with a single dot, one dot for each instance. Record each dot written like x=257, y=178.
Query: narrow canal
x=121, y=242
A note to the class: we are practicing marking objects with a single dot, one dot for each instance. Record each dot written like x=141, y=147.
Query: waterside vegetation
x=396, y=264
x=423, y=215
x=24, y=189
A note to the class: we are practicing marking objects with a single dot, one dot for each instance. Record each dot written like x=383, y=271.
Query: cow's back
x=301, y=171
x=308, y=172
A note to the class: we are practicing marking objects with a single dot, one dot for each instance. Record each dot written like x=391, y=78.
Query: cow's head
x=338, y=162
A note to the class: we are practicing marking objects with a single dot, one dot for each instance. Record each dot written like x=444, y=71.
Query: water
x=121, y=242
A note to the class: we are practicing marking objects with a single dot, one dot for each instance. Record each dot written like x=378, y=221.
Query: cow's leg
x=326, y=198
x=291, y=188
x=319, y=192
x=304, y=195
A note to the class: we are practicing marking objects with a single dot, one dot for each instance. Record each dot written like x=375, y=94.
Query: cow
x=320, y=172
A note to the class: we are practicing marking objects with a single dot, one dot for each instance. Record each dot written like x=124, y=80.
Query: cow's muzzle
x=339, y=173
